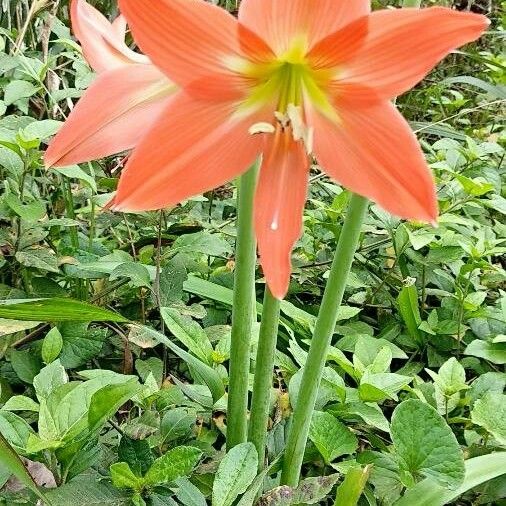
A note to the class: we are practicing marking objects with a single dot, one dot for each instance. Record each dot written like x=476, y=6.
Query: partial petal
x=194, y=147
x=404, y=45
x=279, y=205
x=120, y=27
x=102, y=46
x=113, y=114
x=279, y=22
x=187, y=39
x=373, y=152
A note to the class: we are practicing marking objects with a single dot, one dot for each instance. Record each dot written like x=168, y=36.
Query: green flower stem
x=324, y=329
x=262, y=387
x=411, y=3
x=243, y=312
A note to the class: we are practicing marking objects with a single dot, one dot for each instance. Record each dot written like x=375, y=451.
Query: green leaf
x=172, y=279
x=489, y=412
x=177, y=423
x=188, y=494
x=32, y=211
x=206, y=373
x=17, y=89
x=20, y=403
x=426, y=444
x=201, y=242
x=75, y=172
x=138, y=274
x=189, y=332
x=38, y=258
x=495, y=353
x=49, y=379
x=331, y=437
x=478, y=470
x=41, y=130
x=80, y=343
x=137, y=453
x=376, y=387
x=52, y=345
x=123, y=477
x=410, y=311
x=87, y=490
x=14, y=464
x=56, y=310
x=8, y=327
x=175, y=463
x=26, y=364
x=235, y=473
x=451, y=377
x=106, y=401
x=349, y=492
x=309, y=491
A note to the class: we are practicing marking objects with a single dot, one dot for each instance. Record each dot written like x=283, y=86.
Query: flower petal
x=120, y=27
x=113, y=114
x=278, y=22
x=187, y=39
x=193, y=147
x=279, y=205
x=102, y=46
x=404, y=45
x=373, y=152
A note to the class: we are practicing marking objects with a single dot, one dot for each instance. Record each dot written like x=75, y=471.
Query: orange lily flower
x=120, y=104
x=289, y=80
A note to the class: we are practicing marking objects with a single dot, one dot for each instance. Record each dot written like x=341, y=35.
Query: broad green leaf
x=331, y=437
x=489, y=412
x=370, y=413
x=177, y=423
x=488, y=382
x=309, y=491
x=172, y=279
x=80, y=343
x=88, y=490
x=56, y=310
x=17, y=89
x=175, y=463
x=201, y=242
x=49, y=379
x=376, y=387
x=39, y=258
x=52, y=345
x=15, y=429
x=14, y=464
x=20, y=403
x=26, y=364
x=349, y=492
x=451, y=377
x=188, y=494
x=123, y=477
x=206, y=373
x=426, y=444
x=235, y=473
x=75, y=172
x=138, y=274
x=478, y=470
x=189, y=332
x=137, y=453
x=31, y=211
x=106, y=401
x=41, y=130
x=495, y=353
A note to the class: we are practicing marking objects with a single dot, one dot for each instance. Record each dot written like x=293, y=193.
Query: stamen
x=261, y=128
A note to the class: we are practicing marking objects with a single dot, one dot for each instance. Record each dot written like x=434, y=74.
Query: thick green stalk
x=243, y=312
x=262, y=386
x=324, y=329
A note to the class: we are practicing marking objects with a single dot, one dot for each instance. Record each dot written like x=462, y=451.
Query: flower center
x=287, y=80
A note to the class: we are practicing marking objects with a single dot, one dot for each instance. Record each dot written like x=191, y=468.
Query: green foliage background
x=120, y=398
